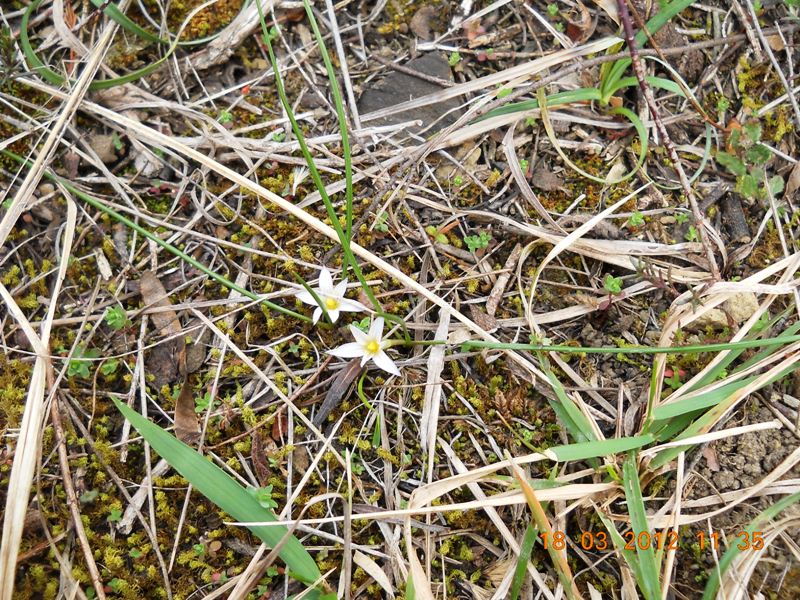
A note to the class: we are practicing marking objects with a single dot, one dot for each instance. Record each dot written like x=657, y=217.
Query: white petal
x=383, y=361
x=340, y=288
x=317, y=314
x=334, y=314
x=376, y=329
x=347, y=305
x=358, y=335
x=364, y=360
x=350, y=350
x=325, y=280
x=305, y=297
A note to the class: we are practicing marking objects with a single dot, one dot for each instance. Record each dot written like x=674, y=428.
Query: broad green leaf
x=732, y=163
x=225, y=492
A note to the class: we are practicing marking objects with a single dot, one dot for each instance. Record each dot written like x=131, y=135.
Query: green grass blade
x=694, y=349
x=38, y=67
x=344, y=240
x=525, y=550
x=707, y=420
x=336, y=93
x=619, y=543
x=225, y=492
x=666, y=12
x=646, y=556
x=567, y=411
x=712, y=585
x=596, y=449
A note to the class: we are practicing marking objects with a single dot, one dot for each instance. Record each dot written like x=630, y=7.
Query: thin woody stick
x=638, y=69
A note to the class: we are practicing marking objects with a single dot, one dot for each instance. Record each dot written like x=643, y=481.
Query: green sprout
x=363, y=324
x=552, y=10
x=78, y=366
x=691, y=235
x=114, y=516
x=436, y=234
x=748, y=163
x=523, y=164
x=116, y=318
x=225, y=117
x=613, y=285
x=380, y=224
x=202, y=404
x=457, y=180
x=109, y=367
x=681, y=218
x=636, y=219
x=278, y=136
x=454, y=59
x=474, y=242
x=263, y=496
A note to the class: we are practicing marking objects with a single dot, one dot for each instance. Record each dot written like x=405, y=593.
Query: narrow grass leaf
x=525, y=550
x=594, y=449
x=733, y=550
x=643, y=541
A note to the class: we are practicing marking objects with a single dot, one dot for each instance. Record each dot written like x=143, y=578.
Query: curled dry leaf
x=421, y=22
x=187, y=427
x=610, y=8
x=582, y=28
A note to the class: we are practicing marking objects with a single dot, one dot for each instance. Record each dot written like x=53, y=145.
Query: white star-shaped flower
x=369, y=346
x=332, y=297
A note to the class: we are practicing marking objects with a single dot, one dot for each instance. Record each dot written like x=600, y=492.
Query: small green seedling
x=225, y=116
x=78, y=366
x=109, y=367
x=552, y=10
x=363, y=324
x=116, y=318
x=458, y=180
x=474, y=242
x=263, y=496
x=636, y=219
x=114, y=516
x=748, y=163
x=691, y=235
x=613, y=285
x=380, y=224
x=523, y=164
x=681, y=218
x=201, y=404
x=88, y=496
x=278, y=136
x=436, y=234
x=199, y=549
x=674, y=382
x=454, y=59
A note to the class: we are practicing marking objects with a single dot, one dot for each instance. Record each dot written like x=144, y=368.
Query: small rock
x=399, y=87
x=104, y=146
x=738, y=308
x=421, y=22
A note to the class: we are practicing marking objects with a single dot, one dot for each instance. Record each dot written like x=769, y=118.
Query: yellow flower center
x=372, y=347
x=331, y=303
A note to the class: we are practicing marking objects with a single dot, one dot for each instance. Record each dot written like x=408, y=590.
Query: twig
x=72, y=499
x=638, y=69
